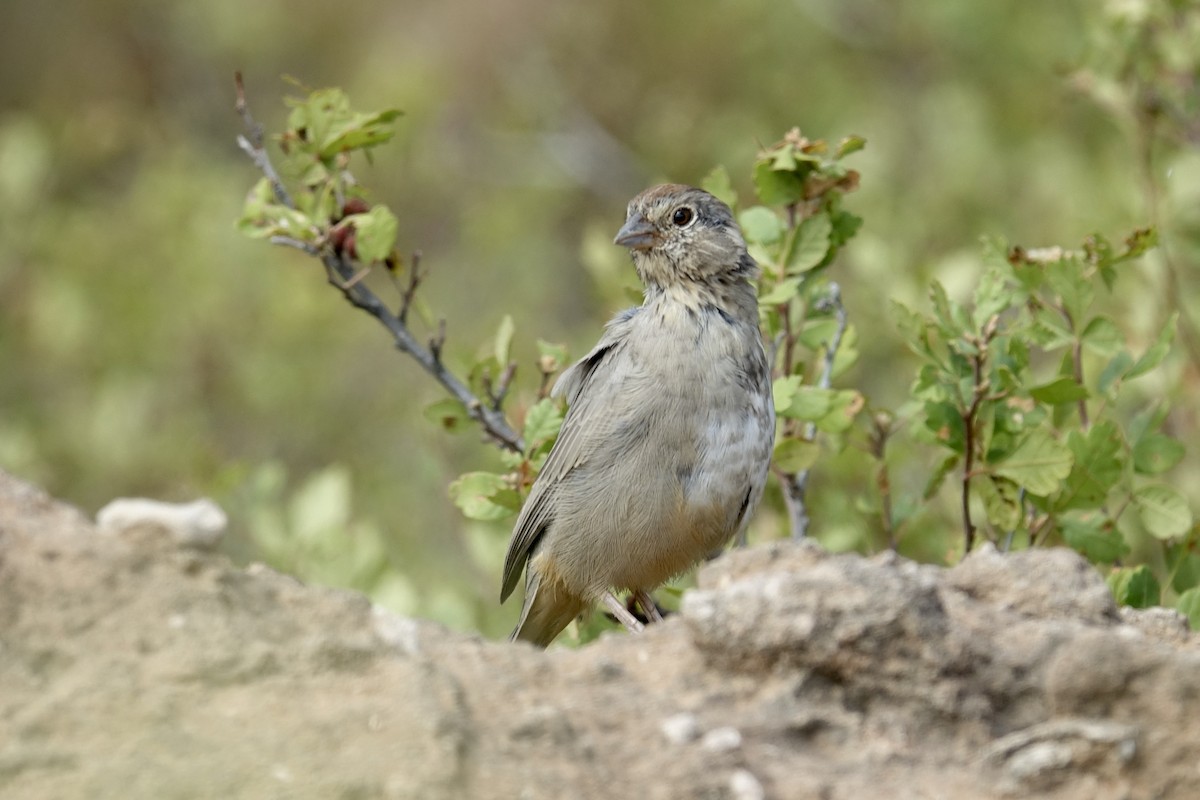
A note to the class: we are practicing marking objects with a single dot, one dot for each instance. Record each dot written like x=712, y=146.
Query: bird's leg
x=649, y=607
x=621, y=613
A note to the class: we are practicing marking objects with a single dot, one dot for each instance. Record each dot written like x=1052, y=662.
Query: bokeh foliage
x=146, y=348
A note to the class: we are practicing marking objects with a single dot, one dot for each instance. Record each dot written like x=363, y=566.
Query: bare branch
x=410, y=291
x=795, y=487
x=436, y=342
x=347, y=277
x=881, y=432
x=506, y=378
x=970, y=419
x=252, y=144
x=287, y=241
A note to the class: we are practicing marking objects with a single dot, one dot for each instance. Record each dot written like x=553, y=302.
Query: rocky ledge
x=134, y=666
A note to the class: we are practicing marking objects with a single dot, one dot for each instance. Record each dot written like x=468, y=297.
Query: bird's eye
x=682, y=216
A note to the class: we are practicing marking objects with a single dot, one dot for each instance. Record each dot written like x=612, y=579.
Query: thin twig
x=345, y=275
x=881, y=431
x=435, y=345
x=1077, y=366
x=544, y=385
x=288, y=241
x=502, y=387
x=795, y=487
x=410, y=291
x=252, y=144
x=970, y=419
x=969, y=422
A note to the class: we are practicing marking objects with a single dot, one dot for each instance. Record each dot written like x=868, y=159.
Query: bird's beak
x=637, y=233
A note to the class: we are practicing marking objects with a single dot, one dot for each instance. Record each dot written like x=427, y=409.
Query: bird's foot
x=648, y=606
x=621, y=613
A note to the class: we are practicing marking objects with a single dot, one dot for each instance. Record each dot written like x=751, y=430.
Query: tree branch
x=970, y=418
x=795, y=486
x=347, y=276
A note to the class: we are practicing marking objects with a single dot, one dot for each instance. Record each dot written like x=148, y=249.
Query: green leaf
x=448, y=413
x=1138, y=243
x=783, y=159
x=1039, y=463
x=775, y=187
x=483, y=496
x=323, y=124
x=845, y=225
x=1102, y=336
x=782, y=292
x=1188, y=604
x=831, y=410
x=1147, y=420
x=992, y=295
x=312, y=116
x=257, y=199
x=502, y=345
x=1098, y=466
x=844, y=408
x=1155, y=453
x=1058, y=392
x=359, y=132
x=1155, y=354
x=375, y=233
x=810, y=244
x=718, y=184
x=761, y=225
x=817, y=332
x=1135, y=586
x=542, y=423
x=795, y=455
x=1049, y=330
x=1066, y=278
x=1001, y=501
x=1094, y=536
x=950, y=315
x=1186, y=564
x=784, y=389
x=1163, y=511
x=939, y=475
x=849, y=144
x=847, y=352
x=945, y=421
x=1114, y=371
x=263, y=217
x=808, y=403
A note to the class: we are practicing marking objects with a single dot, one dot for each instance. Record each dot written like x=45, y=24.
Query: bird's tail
x=547, y=610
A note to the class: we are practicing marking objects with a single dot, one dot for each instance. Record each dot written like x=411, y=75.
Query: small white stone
x=722, y=740
x=200, y=523
x=1039, y=758
x=401, y=633
x=744, y=786
x=176, y=621
x=681, y=728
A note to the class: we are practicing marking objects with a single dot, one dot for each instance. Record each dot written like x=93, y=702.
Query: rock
x=135, y=666
x=200, y=523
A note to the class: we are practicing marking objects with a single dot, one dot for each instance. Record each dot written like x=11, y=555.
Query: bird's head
x=681, y=235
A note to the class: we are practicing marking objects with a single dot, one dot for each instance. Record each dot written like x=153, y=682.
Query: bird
x=664, y=450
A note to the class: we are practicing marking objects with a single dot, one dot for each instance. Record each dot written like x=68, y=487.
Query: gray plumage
x=664, y=451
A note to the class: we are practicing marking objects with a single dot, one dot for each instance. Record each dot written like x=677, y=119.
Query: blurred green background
x=147, y=349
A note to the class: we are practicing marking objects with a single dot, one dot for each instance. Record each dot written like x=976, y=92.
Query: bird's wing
x=569, y=450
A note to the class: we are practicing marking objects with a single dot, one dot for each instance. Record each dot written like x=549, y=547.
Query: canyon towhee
x=664, y=451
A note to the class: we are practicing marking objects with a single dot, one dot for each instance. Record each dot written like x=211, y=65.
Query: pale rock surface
x=133, y=667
